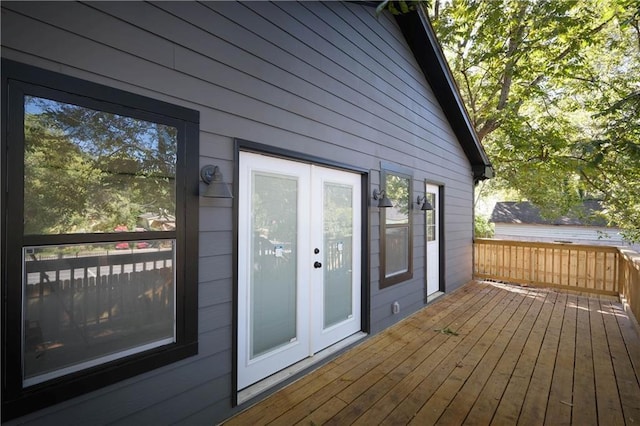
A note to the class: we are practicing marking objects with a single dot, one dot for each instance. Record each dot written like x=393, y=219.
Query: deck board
x=521, y=356
x=626, y=379
x=485, y=406
x=583, y=410
x=561, y=392
x=534, y=407
x=459, y=376
x=466, y=398
x=607, y=399
x=448, y=358
x=510, y=406
x=410, y=374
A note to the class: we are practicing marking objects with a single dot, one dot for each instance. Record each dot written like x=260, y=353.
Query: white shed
x=522, y=221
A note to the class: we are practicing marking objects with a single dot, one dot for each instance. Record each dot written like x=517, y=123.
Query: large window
x=99, y=256
x=396, y=224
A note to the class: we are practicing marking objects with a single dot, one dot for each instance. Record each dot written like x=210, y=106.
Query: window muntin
x=108, y=170
x=396, y=243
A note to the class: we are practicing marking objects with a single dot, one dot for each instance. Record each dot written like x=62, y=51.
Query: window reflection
x=397, y=251
x=431, y=217
x=87, y=304
x=397, y=229
x=398, y=192
x=93, y=171
x=274, y=262
x=338, y=249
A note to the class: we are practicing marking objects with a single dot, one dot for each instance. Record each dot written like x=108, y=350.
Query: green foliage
x=52, y=197
x=397, y=189
x=275, y=208
x=448, y=331
x=552, y=88
x=338, y=211
x=613, y=164
x=92, y=171
x=398, y=7
x=482, y=227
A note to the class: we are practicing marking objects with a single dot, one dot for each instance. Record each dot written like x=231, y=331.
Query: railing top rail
x=633, y=257
x=115, y=258
x=516, y=243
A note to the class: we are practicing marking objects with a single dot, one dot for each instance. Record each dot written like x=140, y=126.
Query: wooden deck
x=488, y=353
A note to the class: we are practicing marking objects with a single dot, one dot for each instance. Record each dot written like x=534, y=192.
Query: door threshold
x=433, y=296
x=256, y=389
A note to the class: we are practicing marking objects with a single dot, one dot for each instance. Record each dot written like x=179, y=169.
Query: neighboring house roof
x=527, y=213
x=424, y=44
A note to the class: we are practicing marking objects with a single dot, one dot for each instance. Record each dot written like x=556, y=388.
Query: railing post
x=620, y=273
x=629, y=281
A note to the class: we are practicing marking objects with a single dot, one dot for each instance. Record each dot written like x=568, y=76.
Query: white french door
x=299, y=281
x=433, y=240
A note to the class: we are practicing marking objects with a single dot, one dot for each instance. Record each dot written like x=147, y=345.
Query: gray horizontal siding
x=327, y=79
x=214, y=293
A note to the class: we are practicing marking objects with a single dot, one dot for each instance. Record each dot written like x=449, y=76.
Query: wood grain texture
x=587, y=268
x=521, y=356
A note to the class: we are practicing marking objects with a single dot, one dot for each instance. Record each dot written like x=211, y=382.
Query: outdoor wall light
x=217, y=188
x=381, y=196
x=426, y=205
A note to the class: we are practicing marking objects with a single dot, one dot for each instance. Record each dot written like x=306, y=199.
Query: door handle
x=317, y=265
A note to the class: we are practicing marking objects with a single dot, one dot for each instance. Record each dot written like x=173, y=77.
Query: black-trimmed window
x=396, y=240
x=99, y=258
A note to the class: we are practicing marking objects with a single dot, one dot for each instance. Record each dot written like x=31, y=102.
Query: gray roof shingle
x=527, y=213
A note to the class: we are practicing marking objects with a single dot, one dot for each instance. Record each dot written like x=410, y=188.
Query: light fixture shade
x=426, y=205
x=385, y=202
x=217, y=188
x=381, y=196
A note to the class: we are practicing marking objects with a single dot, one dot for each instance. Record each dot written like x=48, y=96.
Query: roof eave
x=424, y=44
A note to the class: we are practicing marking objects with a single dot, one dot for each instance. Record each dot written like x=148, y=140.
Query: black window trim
x=17, y=80
x=387, y=168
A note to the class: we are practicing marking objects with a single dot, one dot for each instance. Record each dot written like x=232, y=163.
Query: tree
x=552, y=90
x=93, y=171
x=51, y=191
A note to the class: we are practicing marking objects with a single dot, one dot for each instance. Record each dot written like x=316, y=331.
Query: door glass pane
x=397, y=250
x=93, y=171
x=431, y=217
x=85, y=304
x=274, y=212
x=338, y=233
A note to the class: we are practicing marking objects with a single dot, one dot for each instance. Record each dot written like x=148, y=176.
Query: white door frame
x=321, y=337
x=310, y=338
x=432, y=248
x=251, y=370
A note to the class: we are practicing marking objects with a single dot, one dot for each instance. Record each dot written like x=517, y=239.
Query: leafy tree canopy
x=553, y=90
x=93, y=171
